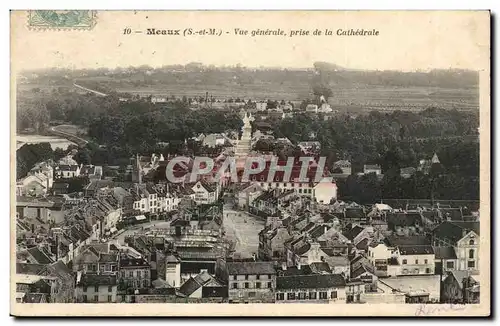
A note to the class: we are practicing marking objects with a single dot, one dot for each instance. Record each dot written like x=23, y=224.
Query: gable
x=88, y=256
x=469, y=236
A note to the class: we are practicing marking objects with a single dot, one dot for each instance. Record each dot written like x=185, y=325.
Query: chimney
x=254, y=256
x=283, y=266
x=298, y=266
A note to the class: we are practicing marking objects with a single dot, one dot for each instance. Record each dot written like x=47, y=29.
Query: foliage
x=30, y=154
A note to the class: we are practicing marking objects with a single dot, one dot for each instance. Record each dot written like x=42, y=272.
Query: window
x=247, y=285
x=145, y=283
x=471, y=264
x=404, y=261
x=290, y=296
x=312, y=295
x=234, y=277
x=131, y=274
x=471, y=254
x=146, y=274
x=85, y=298
x=280, y=296
x=96, y=298
x=235, y=285
x=323, y=295
x=416, y=271
x=285, y=185
x=269, y=276
x=110, y=288
x=123, y=274
x=450, y=264
x=302, y=295
x=85, y=288
x=251, y=294
x=257, y=285
x=300, y=191
x=427, y=270
x=139, y=274
x=257, y=277
x=471, y=242
x=416, y=261
x=405, y=271
x=246, y=277
x=96, y=288
x=110, y=298
x=269, y=285
x=334, y=295
x=426, y=261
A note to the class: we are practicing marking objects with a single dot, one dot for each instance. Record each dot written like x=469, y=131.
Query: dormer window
x=471, y=242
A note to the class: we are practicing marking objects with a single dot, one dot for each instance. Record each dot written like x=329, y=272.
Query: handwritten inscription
x=436, y=309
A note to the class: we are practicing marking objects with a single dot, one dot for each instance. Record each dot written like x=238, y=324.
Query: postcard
x=250, y=163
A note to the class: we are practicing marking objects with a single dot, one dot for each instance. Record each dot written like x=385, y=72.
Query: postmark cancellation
x=62, y=19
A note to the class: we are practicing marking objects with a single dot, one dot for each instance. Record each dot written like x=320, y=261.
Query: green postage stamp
x=62, y=19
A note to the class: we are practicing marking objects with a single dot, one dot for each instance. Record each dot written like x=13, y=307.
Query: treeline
x=367, y=189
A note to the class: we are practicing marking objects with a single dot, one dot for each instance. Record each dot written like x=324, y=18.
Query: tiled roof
x=318, y=268
x=32, y=269
x=133, y=262
x=314, y=281
x=404, y=219
x=97, y=279
x=39, y=256
x=394, y=240
x=295, y=270
x=250, y=268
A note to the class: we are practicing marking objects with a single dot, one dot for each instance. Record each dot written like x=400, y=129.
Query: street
x=243, y=229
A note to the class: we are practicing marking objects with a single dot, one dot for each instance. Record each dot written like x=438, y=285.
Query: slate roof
x=39, y=256
x=250, y=268
x=394, y=240
x=453, y=231
x=314, y=281
x=354, y=212
x=445, y=252
x=302, y=249
x=97, y=279
x=359, y=271
x=353, y=233
x=363, y=244
x=416, y=250
x=133, y=262
x=32, y=269
x=404, y=219
x=108, y=258
x=193, y=284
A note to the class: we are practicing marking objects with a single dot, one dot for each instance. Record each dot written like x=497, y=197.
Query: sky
x=407, y=41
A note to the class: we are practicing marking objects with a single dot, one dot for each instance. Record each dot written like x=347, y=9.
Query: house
x=401, y=259
x=261, y=106
x=314, y=288
x=134, y=273
x=247, y=193
x=266, y=204
x=372, y=168
x=460, y=287
x=342, y=166
x=215, y=140
x=272, y=243
x=464, y=238
x=312, y=108
x=96, y=259
x=203, y=285
x=92, y=172
x=252, y=282
x=66, y=171
x=206, y=192
x=96, y=288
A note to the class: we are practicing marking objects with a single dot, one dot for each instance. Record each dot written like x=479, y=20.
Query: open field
x=35, y=139
x=344, y=97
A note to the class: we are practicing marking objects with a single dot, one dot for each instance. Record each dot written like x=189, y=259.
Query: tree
x=83, y=157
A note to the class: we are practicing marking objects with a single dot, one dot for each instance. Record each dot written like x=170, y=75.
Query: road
x=90, y=90
x=243, y=229
x=78, y=140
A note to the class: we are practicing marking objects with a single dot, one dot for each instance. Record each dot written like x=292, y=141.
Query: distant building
x=372, y=168
x=134, y=273
x=261, y=106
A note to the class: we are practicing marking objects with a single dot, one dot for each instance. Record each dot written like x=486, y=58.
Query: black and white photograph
x=296, y=162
